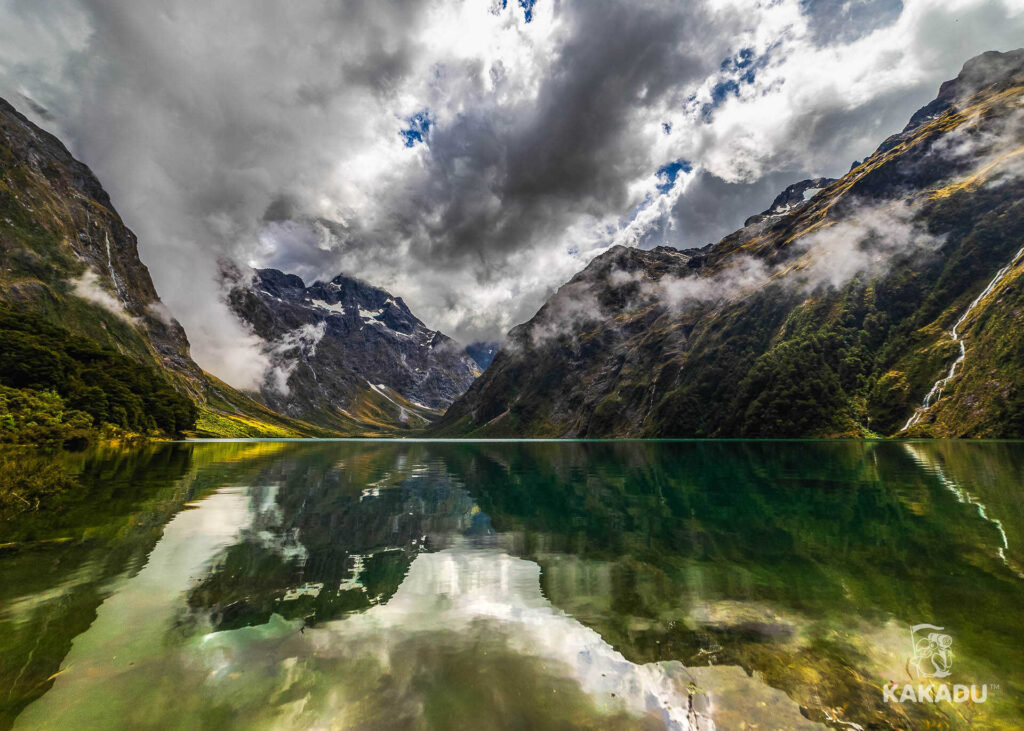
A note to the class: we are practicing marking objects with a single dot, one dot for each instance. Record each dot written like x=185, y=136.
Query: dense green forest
x=56, y=387
x=839, y=362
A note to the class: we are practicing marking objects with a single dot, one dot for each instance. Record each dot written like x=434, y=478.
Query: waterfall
x=118, y=284
x=936, y=390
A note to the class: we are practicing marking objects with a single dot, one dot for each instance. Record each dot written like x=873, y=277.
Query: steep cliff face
x=66, y=254
x=68, y=262
x=348, y=355
x=830, y=314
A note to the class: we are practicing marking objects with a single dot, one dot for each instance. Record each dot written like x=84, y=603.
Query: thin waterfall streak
x=935, y=393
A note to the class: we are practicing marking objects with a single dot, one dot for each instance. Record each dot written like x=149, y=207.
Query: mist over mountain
x=469, y=155
x=883, y=302
x=88, y=347
x=830, y=314
x=346, y=354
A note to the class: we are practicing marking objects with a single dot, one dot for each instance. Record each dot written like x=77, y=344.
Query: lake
x=525, y=585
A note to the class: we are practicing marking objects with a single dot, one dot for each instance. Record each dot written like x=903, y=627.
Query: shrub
x=85, y=378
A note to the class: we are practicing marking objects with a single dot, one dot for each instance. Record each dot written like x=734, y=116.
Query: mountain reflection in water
x=527, y=585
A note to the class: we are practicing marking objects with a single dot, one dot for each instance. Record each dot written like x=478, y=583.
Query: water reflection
x=453, y=585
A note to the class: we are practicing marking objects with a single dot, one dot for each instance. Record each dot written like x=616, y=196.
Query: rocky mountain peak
x=345, y=352
x=991, y=67
x=793, y=197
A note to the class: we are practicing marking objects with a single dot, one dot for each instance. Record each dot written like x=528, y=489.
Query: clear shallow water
x=514, y=585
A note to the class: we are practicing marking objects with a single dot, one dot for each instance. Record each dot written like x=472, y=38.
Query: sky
x=468, y=155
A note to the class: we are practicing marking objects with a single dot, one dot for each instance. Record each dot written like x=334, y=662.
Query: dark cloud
x=502, y=179
x=713, y=208
x=470, y=155
x=832, y=21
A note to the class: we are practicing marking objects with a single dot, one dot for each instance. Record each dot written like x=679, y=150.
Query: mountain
x=347, y=355
x=67, y=254
x=840, y=311
x=791, y=198
x=86, y=345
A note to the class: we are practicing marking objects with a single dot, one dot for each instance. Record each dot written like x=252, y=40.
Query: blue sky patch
x=741, y=60
x=723, y=90
x=667, y=174
x=526, y=5
x=419, y=126
x=736, y=71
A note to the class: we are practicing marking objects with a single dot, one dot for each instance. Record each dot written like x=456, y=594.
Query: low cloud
x=575, y=306
x=741, y=276
x=230, y=352
x=990, y=150
x=461, y=154
x=88, y=287
x=285, y=354
x=863, y=243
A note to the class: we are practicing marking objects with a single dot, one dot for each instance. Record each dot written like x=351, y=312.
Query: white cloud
x=864, y=242
x=740, y=277
x=545, y=137
x=285, y=353
x=804, y=90
x=88, y=288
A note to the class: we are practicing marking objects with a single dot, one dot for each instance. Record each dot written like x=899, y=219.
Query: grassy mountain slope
x=111, y=357
x=830, y=319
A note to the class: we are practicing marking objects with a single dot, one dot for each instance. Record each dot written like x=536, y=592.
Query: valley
x=887, y=302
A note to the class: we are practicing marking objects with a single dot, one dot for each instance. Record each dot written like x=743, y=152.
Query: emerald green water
x=512, y=585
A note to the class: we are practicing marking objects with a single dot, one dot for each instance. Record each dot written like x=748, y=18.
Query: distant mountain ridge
x=831, y=314
x=348, y=355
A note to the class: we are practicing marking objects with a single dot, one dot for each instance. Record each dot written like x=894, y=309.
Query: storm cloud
x=469, y=155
